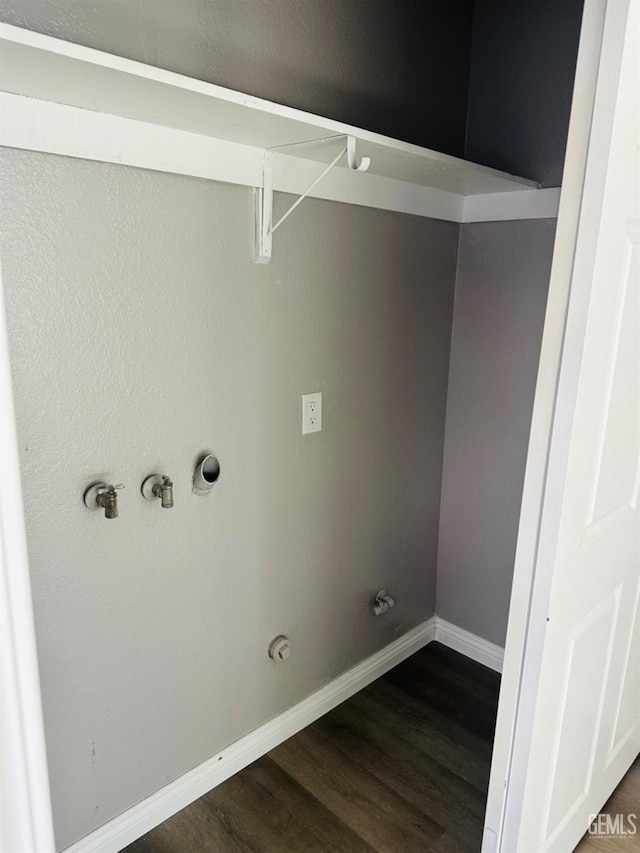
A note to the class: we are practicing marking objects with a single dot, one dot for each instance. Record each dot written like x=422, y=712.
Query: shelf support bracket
x=265, y=227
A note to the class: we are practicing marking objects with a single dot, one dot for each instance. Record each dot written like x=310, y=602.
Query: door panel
x=588, y=660
x=614, y=492
x=584, y=731
x=624, y=701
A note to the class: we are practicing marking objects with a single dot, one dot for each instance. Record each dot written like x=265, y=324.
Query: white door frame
x=25, y=805
x=590, y=130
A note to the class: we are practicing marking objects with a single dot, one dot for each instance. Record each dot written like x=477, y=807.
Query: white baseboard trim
x=469, y=644
x=144, y=816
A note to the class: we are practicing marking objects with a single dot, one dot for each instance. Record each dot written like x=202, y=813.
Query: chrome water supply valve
x=383, y=602
x=159, y=486
x=103, y=496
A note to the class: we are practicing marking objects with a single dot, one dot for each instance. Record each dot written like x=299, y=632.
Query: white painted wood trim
x=25, y=807
x=58, y=129
x=141, y=818
x=43, y=126
x=294, y=175
x=468, y=644
x=496, y=207
x=531, y=585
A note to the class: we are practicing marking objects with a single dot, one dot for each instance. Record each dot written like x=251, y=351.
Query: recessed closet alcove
x=143, y=336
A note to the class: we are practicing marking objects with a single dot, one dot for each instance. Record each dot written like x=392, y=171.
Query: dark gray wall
x=410, y=70
x=501, y=293
x=522, y=70
x=398, y=67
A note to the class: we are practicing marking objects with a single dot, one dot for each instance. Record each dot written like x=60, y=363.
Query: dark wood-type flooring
x=401, y=767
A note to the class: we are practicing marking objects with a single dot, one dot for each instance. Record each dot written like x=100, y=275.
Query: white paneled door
x=578, y=709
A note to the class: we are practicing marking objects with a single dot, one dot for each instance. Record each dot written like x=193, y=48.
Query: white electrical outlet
x=311, y=413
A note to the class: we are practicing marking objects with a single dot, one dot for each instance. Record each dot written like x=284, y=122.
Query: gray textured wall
x=521, y=83
x=394, y=66
x=142, y=334
x=501, y=293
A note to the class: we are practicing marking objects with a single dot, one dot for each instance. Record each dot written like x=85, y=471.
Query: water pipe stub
x=206, y=474
x=279, y=648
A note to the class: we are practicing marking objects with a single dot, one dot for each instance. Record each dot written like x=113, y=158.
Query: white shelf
x=52, y=71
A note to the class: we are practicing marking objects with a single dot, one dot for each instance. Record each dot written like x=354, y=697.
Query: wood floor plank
x=461, y=674
x=449, y=843
x=390, y=741
x=142, y=845
x=448, y=693
x=196, y=828
x=480, y=679
x=378, y=814
x=431, y=788
x=429, y=731
x=391, y=691
x=280, y=815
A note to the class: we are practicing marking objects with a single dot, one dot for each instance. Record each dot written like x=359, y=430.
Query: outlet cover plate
x=311, y=413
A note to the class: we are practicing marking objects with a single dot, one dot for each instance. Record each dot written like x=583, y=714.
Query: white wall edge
x=144, y=816
x=528, y=204
x=25, y=805
x=468, y=644
x=46, y=127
